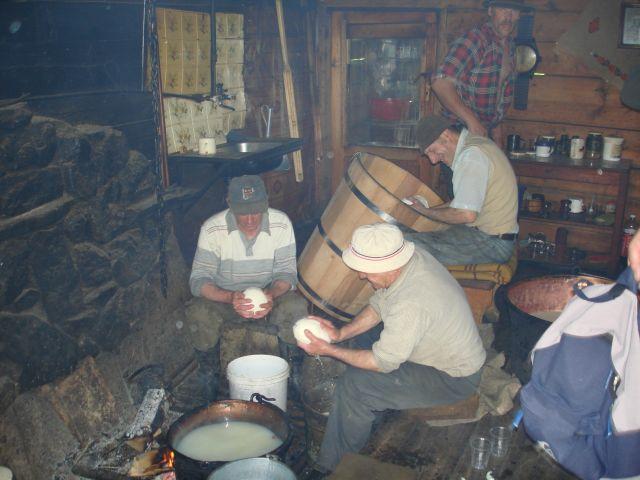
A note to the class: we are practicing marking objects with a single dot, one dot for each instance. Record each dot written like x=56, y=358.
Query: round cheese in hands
x=314, y=326
x=257, y=297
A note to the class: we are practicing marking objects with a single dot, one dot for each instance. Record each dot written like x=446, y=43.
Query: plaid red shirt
x=474, y=62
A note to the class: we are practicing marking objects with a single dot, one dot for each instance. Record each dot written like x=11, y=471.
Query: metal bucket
x=253, y=469
x=522, y=305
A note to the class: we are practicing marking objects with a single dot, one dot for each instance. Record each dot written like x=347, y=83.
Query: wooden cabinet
x=593, y=181
x=379, y=61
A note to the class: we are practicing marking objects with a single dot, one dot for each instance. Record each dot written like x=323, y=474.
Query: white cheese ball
x=257, y=297
x=314, y=326
x=5, y=474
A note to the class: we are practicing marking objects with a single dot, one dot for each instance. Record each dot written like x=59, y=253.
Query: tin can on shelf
x=577, y=148
x=593, y=145
x=565, y=145
x=513, y=143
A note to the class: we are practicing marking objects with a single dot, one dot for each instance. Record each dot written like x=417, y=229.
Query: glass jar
x=593, y=146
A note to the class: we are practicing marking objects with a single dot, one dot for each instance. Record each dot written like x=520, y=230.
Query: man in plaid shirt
x=475, y=81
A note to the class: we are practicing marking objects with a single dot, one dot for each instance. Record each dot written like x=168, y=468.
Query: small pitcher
x=545, y=145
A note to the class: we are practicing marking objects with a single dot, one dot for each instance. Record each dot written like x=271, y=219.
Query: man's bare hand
x=265, y=307
x=242, y=305
x=316, y=345
x=327, y=326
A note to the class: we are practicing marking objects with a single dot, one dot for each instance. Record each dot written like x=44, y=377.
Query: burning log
x=149, y=415
x=152, y=463
x=119, y=457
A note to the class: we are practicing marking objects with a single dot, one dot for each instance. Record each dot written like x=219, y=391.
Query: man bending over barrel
x=414, y=345
x=482, y=216
x=247, y=245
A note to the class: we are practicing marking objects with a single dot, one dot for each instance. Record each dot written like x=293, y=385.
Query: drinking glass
x=500, y=439
x=480, y=452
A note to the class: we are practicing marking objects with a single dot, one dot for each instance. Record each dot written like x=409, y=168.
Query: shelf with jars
x=579, y=203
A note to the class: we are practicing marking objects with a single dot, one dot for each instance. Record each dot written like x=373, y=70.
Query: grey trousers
x=463, y=245
x=360, y=393
x=204, y=318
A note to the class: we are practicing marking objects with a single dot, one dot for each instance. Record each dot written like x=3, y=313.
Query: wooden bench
x=463, y=410
x=480, y=282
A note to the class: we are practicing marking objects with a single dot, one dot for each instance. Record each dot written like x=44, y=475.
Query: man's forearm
x=445, y=90
x=278, y=288
x=449, y=215
x=364, y=321
x=356, y=358
x=215, y=293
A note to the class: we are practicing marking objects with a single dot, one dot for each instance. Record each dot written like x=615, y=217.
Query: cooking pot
x=258, y=412
x=255, y=469
x=529, y=306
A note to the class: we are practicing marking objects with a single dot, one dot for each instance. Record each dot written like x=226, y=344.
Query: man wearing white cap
x=415, y=344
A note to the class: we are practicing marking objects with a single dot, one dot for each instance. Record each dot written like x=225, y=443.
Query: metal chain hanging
x=161, y=174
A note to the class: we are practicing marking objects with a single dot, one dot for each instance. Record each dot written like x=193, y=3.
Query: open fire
x=154, y=462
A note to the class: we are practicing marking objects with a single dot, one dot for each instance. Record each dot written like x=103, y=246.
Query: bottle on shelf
x=630, y=227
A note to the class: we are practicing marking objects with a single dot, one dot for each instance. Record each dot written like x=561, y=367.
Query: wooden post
x=289, y=93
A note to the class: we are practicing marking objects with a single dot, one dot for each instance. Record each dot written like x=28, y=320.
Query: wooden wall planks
x=569, y=99
x=264, y=86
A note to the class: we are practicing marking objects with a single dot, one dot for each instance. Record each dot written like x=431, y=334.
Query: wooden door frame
x=339, y=21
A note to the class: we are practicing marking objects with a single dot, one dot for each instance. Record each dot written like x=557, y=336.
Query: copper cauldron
x=518, y=302
x=258, y=412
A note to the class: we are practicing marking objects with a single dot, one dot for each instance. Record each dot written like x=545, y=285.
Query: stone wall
x=79, y=247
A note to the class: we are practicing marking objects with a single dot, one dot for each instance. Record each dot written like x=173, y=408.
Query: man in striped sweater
x=247, y=245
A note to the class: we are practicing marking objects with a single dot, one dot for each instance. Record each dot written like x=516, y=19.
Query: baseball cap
x=247, y=195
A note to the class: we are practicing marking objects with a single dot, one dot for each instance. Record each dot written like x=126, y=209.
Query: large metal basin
x=521, y=304
x=223, y=411
x=250, y=157
x=249, y=147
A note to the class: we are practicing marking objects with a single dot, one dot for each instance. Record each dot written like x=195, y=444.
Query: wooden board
x=557, y=62
x=586, y=237
x=577, y=101
x=292, y=114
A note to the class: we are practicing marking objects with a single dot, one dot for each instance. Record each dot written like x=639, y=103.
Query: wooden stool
x=480, y=282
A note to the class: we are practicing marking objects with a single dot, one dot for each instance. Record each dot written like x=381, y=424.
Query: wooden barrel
x=370, y=192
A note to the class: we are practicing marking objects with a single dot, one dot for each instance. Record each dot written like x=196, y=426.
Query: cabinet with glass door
x=378, y=85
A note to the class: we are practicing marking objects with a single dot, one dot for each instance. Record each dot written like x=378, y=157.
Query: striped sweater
x=225, y=258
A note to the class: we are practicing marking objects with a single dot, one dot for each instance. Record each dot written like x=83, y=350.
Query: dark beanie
x=429, y=129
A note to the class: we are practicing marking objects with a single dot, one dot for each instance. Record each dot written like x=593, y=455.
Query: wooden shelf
x=559, y=177
x=555, y=219
x=553, y=265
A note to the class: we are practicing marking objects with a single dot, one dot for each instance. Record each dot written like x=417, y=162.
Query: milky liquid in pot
x=228, y=441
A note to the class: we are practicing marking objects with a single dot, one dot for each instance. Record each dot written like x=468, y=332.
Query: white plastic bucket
x=263, y=374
